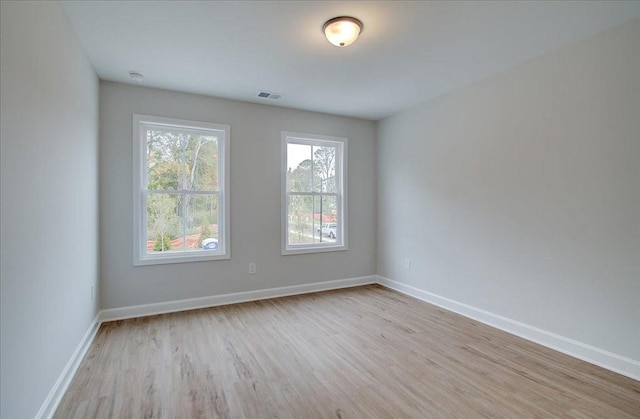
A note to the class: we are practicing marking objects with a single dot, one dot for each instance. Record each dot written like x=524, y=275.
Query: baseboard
x=602, y=358
x=50, y=404
x=233, y=298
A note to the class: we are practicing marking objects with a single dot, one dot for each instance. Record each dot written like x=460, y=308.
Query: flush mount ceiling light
x=342, y=31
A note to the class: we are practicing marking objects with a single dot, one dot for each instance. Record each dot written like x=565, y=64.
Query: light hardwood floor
x=354, y=353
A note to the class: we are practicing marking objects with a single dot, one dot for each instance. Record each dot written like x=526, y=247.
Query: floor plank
x=352, y=353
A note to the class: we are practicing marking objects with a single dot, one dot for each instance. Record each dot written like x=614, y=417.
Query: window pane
x=324, y=169
x=317, y=237
x=165, y=168
x=299, y=168
x=164, y=223
x=201, y=163
x=202, y=222
x=326, y=210
x=300, y=226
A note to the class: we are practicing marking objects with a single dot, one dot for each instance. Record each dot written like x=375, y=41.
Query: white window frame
x=341, y=173
x=140, y=255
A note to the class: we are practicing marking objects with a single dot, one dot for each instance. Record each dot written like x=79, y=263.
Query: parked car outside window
x=328, y=229
x=210, y=244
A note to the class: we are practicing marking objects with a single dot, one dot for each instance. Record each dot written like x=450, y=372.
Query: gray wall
x=520, y=194
x=255, y=199
x=49, y=202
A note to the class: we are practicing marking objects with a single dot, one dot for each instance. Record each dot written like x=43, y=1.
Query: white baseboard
x=605, y=359
x=233, y=298
x=54, y=397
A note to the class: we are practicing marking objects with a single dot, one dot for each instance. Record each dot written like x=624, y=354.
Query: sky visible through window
x=296, y=154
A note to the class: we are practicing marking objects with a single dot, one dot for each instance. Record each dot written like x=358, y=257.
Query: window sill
x=167, y=259
x=294, y=250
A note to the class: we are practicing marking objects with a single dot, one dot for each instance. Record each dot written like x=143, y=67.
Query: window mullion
x=180, y=191
x=313, y=193
x=184, y=221
x=313, y=199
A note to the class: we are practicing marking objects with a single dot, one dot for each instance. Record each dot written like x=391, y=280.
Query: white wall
x=49, y=203
x=255, y=199
x=520, y=194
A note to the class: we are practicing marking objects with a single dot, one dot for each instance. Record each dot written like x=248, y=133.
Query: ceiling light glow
x=342, y=31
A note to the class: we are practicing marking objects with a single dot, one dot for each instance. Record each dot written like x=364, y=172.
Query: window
x=314, y=215
x=181, y=184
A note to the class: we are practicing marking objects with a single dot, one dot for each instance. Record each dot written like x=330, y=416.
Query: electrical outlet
x=252, y=268
x=407, y=264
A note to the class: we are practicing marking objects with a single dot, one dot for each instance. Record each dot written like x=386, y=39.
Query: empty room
x=320, y=209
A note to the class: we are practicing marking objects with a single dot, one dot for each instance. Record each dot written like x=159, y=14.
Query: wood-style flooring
x=365, y=352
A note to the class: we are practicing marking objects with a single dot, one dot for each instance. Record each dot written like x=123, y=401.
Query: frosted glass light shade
x=342, y=31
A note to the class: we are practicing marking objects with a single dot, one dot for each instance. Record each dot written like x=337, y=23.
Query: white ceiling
x=408, y=53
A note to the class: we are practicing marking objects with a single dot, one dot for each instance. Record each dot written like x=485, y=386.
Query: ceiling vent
x=269, y=95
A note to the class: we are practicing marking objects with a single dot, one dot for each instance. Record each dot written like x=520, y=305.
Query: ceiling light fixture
x=342, y=31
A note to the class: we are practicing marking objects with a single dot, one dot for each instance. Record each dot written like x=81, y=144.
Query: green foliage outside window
x=162, y=243
x=184, y=163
